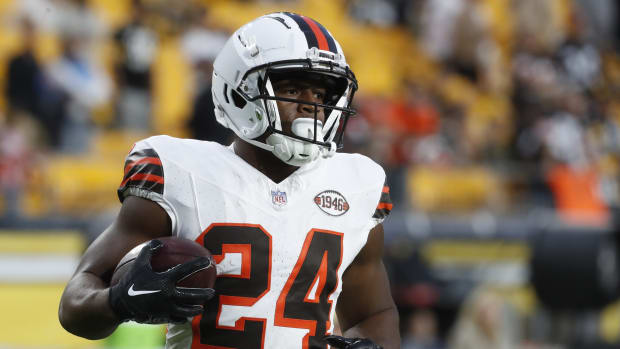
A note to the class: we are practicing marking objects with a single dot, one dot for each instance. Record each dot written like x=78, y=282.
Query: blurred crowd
x=96, y=80
x=500, y=106
x=505, y=107
x=519, y=109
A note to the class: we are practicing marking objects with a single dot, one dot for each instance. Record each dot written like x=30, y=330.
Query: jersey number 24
x=303, y=303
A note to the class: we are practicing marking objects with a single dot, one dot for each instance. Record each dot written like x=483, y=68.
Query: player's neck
x=264, y=161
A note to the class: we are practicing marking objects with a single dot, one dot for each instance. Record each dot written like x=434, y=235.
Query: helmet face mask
x=246, y=102
x=335, y=88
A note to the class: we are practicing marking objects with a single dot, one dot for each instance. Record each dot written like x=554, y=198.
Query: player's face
x=301, y=90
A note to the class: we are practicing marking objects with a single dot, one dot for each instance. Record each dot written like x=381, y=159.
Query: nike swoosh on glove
x=150, y=297
x=351, y=343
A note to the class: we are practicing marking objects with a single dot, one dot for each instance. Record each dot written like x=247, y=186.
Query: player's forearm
x=84, y=309
x=381, y=327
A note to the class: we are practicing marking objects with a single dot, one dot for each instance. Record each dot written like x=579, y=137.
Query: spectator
x=77, y=19
x=83, y=86
x=438, y=21
x=381, y=13
x=24, y=75
x=200, y=44
x=201, y=41
x=485, y=321
x=601, y=17
x=16, y=161
x=578, y=60
x=137, y=45
x=27, y=91
x=421, y=331
x=41, y=13
x=538, y=21
x=571, y=171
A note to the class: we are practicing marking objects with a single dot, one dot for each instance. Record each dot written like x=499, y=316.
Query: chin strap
x=292, y=151
x=328, y=153
x=296, y=152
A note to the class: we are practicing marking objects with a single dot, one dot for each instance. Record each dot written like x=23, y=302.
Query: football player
x=295, y=228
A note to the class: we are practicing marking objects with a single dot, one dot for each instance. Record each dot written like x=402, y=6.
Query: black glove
x=351, y=343
x=146, y=296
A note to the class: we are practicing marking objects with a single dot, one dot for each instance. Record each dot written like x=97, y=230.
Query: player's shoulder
x=178, y=149
x=165, y=142
x=159, y=164
x=357, y=168
x=358, y=162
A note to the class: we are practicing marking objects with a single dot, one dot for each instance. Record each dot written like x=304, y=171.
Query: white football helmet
x=278, y=45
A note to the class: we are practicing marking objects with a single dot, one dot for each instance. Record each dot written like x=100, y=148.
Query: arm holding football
x=84, y=307
x=365, y=307
x=147, y=296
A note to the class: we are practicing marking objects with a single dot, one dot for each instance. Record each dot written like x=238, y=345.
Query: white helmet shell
x=243, y=96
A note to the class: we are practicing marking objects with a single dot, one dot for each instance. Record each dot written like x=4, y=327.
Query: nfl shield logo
x=278, y=197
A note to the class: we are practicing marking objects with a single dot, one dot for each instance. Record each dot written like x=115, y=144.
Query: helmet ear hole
x=239, y=101
x=226, y=93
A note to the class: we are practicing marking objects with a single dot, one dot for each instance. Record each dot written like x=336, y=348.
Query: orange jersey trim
x=148, y=160
x=144, y=176
x=384, y=205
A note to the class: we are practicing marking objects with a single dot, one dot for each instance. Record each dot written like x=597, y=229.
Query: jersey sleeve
x=384, y=206
x=144, y=177
x=143, y=173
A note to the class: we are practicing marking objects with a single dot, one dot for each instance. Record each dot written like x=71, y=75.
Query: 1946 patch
x=332, y=202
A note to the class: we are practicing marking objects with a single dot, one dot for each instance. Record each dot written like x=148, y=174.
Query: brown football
x=175, y=251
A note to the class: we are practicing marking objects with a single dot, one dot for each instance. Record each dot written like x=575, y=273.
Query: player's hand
x=146, y=296
x=351, y=343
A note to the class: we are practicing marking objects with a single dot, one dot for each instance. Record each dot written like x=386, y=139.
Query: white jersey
x=280, y=248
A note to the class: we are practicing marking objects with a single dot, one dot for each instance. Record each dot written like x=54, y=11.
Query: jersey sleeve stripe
x=143, y=170
x=140, y=154
x=385, y=197
x=143, y=178
x=384, y=207
x=381, y=214
x=149, y=160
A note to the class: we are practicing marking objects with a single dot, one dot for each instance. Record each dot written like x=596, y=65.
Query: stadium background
x=498, y=122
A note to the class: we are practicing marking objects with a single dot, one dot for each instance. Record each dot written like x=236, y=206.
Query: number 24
x=303, y=303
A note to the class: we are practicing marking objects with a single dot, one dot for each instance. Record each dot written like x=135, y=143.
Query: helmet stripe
x=316, y=35
x=305, y=28
x=331, y=43
x=317, y=32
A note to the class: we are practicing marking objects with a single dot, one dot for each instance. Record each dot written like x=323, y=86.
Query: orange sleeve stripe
x=384, y=205
x=149, y=160
x=144, y=176
x=386, y=189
